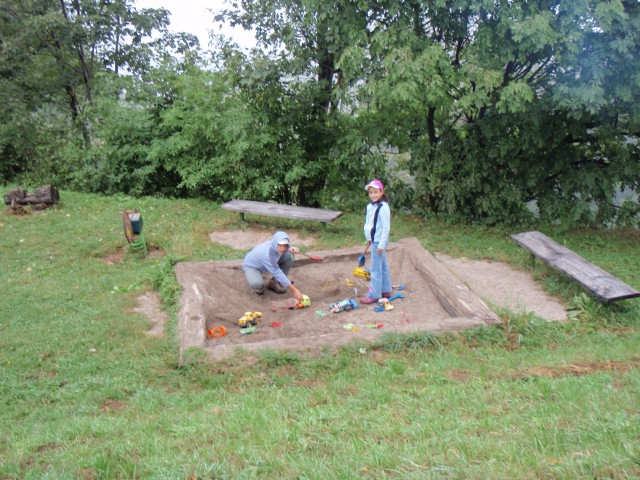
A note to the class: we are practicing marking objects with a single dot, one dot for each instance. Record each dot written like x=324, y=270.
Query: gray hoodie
x=264, y=257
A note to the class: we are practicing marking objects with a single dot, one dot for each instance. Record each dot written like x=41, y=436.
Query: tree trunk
x=40, y=199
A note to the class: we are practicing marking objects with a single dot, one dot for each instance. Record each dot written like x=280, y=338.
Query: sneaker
x=275, y=286
x=368, y=300
x=386, y=294
x=259, y=291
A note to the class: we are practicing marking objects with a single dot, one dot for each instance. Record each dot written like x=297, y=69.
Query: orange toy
x=217, y=332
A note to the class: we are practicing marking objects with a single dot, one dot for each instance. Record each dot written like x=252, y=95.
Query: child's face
x=375, y=194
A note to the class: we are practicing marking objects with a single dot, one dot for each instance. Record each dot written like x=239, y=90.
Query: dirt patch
x=577, y=369
x=112, y=406
x=442, y=294
x=113, y=258
x=150, y=306
x=502, y=286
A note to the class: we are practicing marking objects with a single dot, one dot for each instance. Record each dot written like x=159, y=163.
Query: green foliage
x=315, y=143
x=419, y=341
x=221, y=146
x=503, y=104
x=193, y=358
x=165, y=283
x=272, y=358
x=501, y=112
x=56, y=57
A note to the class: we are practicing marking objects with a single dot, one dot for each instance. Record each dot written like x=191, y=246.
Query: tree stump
x=43, y=197
x=15, y=196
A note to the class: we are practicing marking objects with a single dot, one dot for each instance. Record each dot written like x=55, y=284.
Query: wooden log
x=47, y=194
x=15, y=196
x=42, y=197
x=452, y=294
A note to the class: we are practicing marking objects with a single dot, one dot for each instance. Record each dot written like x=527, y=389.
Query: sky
x=192, y=16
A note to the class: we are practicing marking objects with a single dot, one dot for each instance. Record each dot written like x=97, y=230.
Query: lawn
x=87, y=393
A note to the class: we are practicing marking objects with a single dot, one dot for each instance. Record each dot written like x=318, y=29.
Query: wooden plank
x=459, y=302
x=602, y=284
x=284, y=211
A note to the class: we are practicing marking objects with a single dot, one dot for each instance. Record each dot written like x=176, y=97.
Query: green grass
x=85, y=393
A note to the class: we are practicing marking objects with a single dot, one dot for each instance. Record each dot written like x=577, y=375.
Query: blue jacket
x=383, y=224
x=264, y=257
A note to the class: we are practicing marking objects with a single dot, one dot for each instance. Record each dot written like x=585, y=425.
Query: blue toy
x=346, y=305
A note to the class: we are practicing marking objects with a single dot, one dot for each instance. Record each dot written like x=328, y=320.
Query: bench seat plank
x=602, y=284
x=284, y=211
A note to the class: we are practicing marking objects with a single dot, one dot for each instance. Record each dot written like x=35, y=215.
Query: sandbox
x=216, y=294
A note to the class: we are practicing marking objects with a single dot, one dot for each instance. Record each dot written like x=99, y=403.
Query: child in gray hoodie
x=275, y=257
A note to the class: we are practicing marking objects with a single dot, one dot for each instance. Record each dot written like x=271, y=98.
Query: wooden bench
x=284, y=211
x=600, y=283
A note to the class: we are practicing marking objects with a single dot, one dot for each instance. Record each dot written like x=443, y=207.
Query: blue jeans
x=380, y=277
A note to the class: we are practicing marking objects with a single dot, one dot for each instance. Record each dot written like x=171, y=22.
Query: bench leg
x=242, y=216
x=324, y=226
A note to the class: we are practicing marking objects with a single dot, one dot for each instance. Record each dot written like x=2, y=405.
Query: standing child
x=376, y=230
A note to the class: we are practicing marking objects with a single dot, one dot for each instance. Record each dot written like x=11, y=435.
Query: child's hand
x=380, y=251
x=294, y=250
x=297, y=294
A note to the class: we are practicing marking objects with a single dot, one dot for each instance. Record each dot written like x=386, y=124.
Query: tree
x=303, y=40
x=54, y=55
x=477, y=93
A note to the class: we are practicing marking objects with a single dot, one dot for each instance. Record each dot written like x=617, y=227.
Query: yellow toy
x=250, y=319
x=304, y=303
x=362, y=273
x=385, y=303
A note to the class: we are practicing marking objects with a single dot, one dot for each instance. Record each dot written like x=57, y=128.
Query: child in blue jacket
x=377, y=226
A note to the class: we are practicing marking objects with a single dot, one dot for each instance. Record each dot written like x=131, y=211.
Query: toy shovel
x=362, y=258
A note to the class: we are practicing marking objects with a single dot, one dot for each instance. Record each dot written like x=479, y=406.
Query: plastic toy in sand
x=250, y=319
x=216, y=332
x=395, y=296
x=362, y=273
x=343, y=306
x=385, y=303
x=292, y=304
x=304, y=302
x=353, y=327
